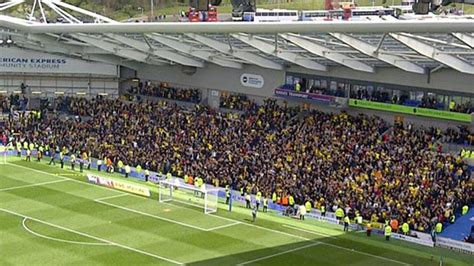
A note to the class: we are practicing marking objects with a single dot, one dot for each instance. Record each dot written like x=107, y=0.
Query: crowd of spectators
x=466, y=107
x=462, y=136
x=404, y=99
x=315, y=89
x=5, y=105
x=14, y=101
x=163, y=90
x=239, y=102
x=331, y=160
x=380, y=95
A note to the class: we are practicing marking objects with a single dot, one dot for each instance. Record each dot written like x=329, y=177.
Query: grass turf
x=53, y=216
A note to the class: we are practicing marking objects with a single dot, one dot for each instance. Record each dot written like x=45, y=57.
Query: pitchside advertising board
x=26, y=61
x=119, y=185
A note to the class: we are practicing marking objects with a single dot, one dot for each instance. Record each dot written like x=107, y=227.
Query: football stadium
x=236, y=132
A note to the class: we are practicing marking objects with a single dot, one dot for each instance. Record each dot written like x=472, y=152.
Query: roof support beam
x=111, y=59
x=168, y=55
x=269, y=49
x=189, y=49
x=465, y=38
x=226, y=49
x=50, y=49
x=117, y=50
x=63, y=46
x=327, y=53
x=370, y=50
x=380, y=42
x=433, y=40
x=82, y=11
x=433, y=53
x=7, y=5
x=412, y=26
x=68, y=17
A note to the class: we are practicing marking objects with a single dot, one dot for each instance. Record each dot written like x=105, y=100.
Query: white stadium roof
x=412, y=45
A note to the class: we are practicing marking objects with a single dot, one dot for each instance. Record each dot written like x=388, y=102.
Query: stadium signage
x=458, y=246
x=251, y=80
x=425, y=112
x=22, y=62
x=303, y=95
x=26, y=61
x=119, y=185
x=421, y=241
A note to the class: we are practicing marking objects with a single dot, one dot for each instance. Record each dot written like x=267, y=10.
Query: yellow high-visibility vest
x=388, y=230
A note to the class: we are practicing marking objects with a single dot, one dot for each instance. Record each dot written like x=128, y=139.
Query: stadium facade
x=434, y=55
x=76, y=57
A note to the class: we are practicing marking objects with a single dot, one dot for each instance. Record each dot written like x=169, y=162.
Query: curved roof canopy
x=416, y=46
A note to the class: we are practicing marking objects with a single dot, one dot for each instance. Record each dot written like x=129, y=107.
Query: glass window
x=441, y=98
x=317, y=85
x=457, y=99
x=324, y=84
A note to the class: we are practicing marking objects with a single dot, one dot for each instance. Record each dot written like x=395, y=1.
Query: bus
x=321, y=15
x=271, y=15
x=365, y=13
x=347, y=13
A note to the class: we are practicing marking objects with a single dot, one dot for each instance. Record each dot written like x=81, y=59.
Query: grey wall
x=227, y=79
x=215, y=77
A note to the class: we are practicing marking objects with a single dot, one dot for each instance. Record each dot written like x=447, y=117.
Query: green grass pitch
x=50, y=216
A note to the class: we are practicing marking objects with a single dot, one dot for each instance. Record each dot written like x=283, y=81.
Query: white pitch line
x=222, y=226
x=308, y=231
x=152, y=215
x=324, y=243
x=119, y=195
x=207, y=230
x=33, y=185
x=58, y=239
x=252, y=225
x=93, y=237
x=365, y=253
x=344, y=248
x=61, y=177
x=112, y=197
x=279, y=254
x=177, y=206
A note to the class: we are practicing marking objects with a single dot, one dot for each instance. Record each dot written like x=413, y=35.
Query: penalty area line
x=279, y=254
x=112, y=197
x=344, y=248
x=151, y=215
x=33, y=185
x=309, y=231
x=223, y=226
x=92, y=237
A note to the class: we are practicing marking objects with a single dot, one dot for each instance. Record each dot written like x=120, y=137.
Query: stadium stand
x=163, y=90
x=379, y=95
x=332, y=160
x=237, y=102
